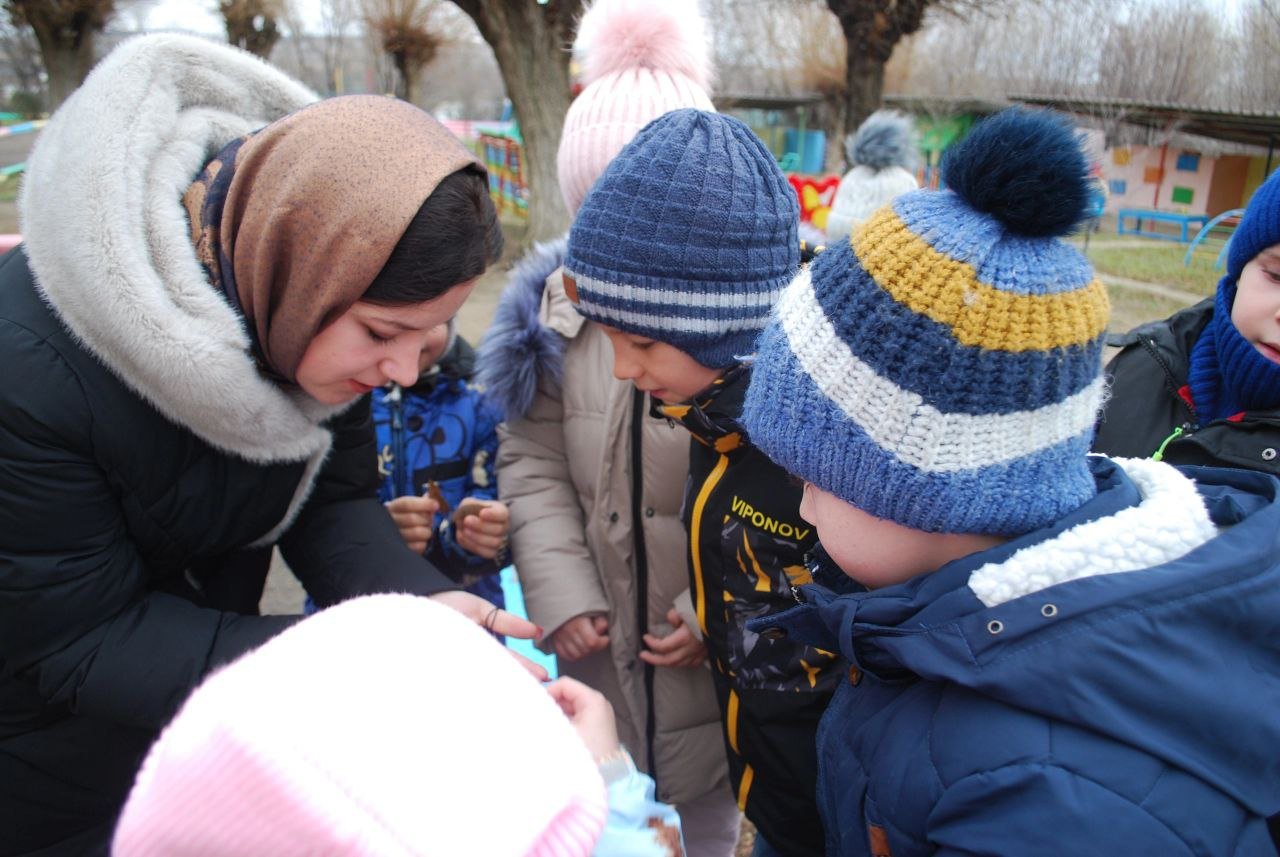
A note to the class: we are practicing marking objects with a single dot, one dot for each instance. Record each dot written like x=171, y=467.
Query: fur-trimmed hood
x=109, y=241
x=519, y=348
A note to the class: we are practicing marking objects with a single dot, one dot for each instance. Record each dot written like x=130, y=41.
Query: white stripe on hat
x=727, y=297
x=899, y=421
x=711, y=323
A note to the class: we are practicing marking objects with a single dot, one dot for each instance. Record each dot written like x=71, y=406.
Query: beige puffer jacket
x=564, y=468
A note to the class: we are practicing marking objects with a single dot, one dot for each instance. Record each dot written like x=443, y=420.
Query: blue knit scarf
x=1227, y=375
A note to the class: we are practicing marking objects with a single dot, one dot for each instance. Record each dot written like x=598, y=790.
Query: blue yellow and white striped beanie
x=688, y=238
x=942, y=369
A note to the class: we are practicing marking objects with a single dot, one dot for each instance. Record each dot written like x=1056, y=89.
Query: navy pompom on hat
x=688, y=238
x=942, y=368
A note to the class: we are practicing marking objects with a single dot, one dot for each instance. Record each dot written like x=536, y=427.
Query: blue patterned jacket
x=443, y=430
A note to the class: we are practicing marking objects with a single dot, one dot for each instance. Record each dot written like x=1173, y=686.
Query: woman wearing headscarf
x=216, y=269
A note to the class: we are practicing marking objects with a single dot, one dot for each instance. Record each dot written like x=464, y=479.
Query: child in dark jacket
x=680, y=251
x=437, y=443
x=1050, y=652
x=1203, y=386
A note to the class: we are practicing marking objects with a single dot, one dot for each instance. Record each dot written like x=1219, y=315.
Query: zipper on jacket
x=1158, y=455
x=399, y=469
x=642, y=571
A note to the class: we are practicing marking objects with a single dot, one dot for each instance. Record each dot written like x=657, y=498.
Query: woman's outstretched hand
x=497, y=621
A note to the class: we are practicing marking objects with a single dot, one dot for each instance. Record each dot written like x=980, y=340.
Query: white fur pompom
x=661, y=35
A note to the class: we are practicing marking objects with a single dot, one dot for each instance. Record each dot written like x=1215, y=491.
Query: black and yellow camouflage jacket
x=747, y=543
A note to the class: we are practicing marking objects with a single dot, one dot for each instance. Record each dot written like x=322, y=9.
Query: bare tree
x=872, y=29
x=407, y=33
x=252, y=24
x=336, y=18
x=21, y=54
x=65, y=31
x=530, y=41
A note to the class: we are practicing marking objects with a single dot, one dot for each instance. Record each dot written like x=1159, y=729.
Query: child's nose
x=624, y=368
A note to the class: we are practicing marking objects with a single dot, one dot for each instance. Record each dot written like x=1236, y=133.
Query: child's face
x=1256, y=311
x=663, y=371
x=877, y=552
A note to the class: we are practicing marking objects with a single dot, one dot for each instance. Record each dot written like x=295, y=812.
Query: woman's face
x=371, y=344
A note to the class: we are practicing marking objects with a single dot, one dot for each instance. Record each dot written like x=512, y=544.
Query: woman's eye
x=376, y=337
x=643, y=346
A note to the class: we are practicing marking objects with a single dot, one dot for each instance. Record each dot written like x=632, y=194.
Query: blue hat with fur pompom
x=942, y=369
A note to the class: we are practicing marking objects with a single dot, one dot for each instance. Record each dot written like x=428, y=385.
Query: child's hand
x=680, y=648
x=485, y=532
x=590, y=713
x=581, y=636
x=414, y=517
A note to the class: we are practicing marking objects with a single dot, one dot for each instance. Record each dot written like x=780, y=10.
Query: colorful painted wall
x=1178, y=180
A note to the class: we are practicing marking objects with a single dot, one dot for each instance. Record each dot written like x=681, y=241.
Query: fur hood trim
x=110, y=248
x=519, y=351
x=1169, y=523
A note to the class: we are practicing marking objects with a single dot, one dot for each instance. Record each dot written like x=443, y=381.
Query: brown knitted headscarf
x=295, y=221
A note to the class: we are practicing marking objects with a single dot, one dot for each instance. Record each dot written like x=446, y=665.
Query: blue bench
x=1183, y=221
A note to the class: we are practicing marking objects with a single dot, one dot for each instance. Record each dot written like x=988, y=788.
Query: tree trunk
x=66, y=64
x=864, y=88
x=531, y=43
x=833, y=112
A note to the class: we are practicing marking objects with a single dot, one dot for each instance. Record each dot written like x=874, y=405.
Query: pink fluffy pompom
x=662, y=35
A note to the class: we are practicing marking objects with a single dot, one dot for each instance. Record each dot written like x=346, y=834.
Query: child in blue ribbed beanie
x=1048, y=652
x=680, y=252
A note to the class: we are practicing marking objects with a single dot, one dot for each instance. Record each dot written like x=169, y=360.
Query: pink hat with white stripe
x=640, y=59
x=388, y=725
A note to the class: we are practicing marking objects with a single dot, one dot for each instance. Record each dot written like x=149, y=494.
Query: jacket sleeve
x=1040, y=809
x=344, y=543
x=79, y=625
x=548, y=536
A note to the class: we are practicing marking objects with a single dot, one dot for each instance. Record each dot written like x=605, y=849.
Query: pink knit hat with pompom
x=640, y=59
x=388, y=725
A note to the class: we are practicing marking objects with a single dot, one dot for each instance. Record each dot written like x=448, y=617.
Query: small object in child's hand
x=467, y=507
x=434, y=492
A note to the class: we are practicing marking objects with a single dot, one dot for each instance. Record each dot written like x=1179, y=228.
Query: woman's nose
x=401, y=365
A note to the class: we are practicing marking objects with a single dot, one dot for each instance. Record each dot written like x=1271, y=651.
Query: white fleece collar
x=109, y=241
x=1169, y=522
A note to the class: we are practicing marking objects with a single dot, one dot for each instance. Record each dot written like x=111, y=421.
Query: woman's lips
x=358, y=387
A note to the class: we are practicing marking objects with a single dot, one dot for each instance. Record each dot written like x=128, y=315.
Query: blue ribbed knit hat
x=688, y=238
x=1258, y=229
x=942, y=369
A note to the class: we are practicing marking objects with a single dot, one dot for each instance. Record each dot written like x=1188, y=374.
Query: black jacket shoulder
x=1147, y=411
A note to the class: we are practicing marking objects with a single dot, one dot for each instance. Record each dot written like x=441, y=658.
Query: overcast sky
x=201, y=15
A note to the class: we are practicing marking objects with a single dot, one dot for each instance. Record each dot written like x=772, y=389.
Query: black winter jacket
x=131, y=566
x=1150, y=404
x=747, y=548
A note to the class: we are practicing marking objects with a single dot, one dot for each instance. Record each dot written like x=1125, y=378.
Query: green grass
x=1161, y=263
x=1130, y=308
